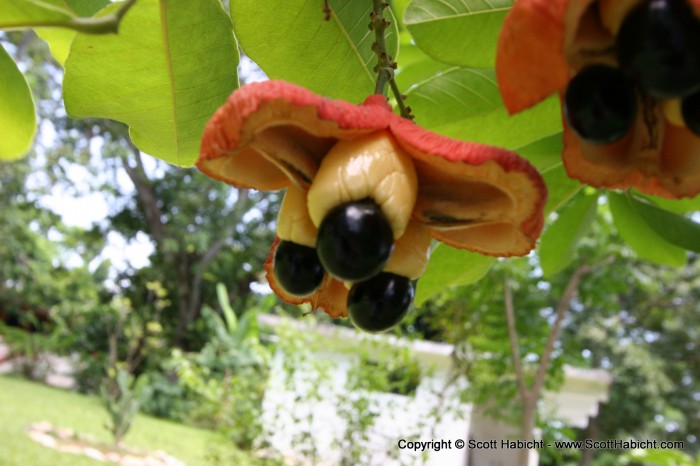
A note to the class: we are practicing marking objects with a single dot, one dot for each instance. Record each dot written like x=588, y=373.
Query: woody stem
x=385, y=63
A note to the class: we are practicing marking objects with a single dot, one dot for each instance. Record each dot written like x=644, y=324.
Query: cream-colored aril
x=614, y=12
x=372, y=166
x=293, y=221
x=673, y=112
x=411, y=252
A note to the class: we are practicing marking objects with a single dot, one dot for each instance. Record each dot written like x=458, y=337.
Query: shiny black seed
x=691, y=112
x=379, y=303
x=600, y=104
x=297, y=268
x=659, y=46
x=355, y=240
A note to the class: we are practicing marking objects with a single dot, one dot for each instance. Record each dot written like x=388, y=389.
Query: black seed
x=600, y=104
x=691, y=112
x=659, y=46
x=355, y=240
x=297, y=268
x=379, y=303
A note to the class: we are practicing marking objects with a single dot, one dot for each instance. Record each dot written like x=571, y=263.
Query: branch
x=103, y=25
x=514, y=345
x=385, y=64
x=213, y=251
x=562, y=307
x=327, y=12
x=100, y=25
x=137, y=174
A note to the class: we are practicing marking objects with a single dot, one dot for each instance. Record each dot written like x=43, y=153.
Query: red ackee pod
x=275, y=135
x=543, y=44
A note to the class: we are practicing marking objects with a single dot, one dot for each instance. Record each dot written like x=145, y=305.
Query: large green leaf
x=641, y=237
x=460, y=32
x=544, y=153
x=674, y=228
x=451, y=267
x=17, y=118
x=679, y=206
x=416, y=67
x=558, y=242
x=59, y=39
x=31, y=13
x=560, y=187
x=290, y=40
x=18, y=14
x=465, y=103
x=171, y=66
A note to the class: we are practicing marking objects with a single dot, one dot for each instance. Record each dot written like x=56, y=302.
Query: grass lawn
x=23, y=403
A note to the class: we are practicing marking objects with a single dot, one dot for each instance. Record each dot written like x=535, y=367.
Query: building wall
x=401, y=417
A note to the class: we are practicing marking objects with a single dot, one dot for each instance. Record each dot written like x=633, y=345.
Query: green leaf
x=679, y=206
x=675, y=229
x=544, y=153
x=561, y=188
x=229, y=315
x=17, y=118
x=558, y=243
x=171, y=66
x=18, y=14
x=59, y=39
x=460, y=32
x=451, y=267
x=415, y=67
x=639, y=236
x=15, y=14
x=290, y=40
x=465, y=103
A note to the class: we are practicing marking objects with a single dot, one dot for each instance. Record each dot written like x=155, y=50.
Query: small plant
x=122, y=395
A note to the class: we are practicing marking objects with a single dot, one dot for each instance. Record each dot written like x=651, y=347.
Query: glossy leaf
x=59, y=39
x=679, y=206
x=33, y=13
x=171, y=66
x=675, y=229
x=17, y=118
x=19, y=14
x=641, y=237
x=290, y=40
x=558, y=242
x=460, y=32
x=561, y=189
x=544, y=153
x=416, y=67
x=465, y=103
x=450, y=267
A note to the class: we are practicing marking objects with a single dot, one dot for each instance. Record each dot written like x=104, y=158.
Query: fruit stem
x=385, y=64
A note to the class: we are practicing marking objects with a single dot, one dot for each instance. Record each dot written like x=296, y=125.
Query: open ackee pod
x=543, y=44
x=273, y=134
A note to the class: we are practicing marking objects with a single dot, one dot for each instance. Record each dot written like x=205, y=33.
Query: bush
x=226, y=380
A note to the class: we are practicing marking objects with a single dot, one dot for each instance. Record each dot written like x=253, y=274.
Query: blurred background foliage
x=194, y=296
